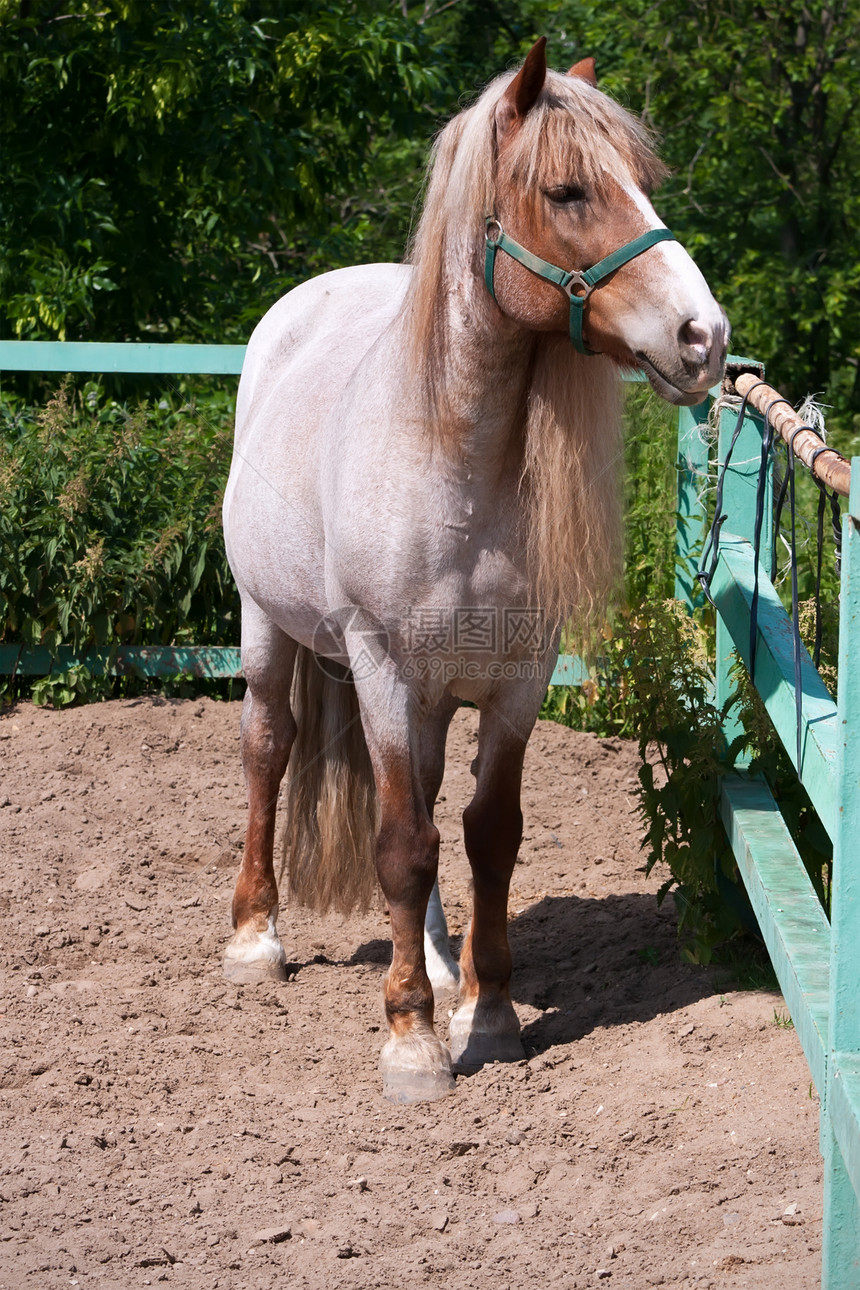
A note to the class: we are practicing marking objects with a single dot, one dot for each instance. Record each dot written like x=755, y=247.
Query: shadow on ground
x=585, y=962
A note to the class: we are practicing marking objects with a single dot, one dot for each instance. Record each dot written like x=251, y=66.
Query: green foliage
x=605, y=704
x=75, y=684
x=110, y=526
x=684, y=756
x=651, y=446
x=168, y=169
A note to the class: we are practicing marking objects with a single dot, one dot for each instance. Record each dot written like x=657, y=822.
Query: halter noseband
x=569, y=280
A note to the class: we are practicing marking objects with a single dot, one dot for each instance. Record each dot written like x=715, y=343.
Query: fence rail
x=120, y=356
x=830, y=466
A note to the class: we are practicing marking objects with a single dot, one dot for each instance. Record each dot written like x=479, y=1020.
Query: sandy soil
x=160, y=1126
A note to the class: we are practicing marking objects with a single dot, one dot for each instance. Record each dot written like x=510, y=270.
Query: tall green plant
x=110, y=528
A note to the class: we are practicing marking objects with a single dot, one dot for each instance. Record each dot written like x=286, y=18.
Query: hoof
x=415, y=1067
x=255, y=972
x=252, y=956
x=405, y=1087
x=479, y=1050
x=480, y=1035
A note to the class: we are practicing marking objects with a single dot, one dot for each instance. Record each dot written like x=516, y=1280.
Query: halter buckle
x=576, y=283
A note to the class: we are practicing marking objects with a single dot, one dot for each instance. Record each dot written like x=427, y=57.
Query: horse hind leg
x=442, y=968
x=441, y=965
x=254, y=952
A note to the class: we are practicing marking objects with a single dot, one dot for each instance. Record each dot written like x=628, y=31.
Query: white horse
x=424, y=487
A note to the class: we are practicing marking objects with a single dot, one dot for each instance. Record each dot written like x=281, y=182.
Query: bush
x=110, y=527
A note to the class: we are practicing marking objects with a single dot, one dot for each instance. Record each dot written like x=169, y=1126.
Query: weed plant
x=110, y=529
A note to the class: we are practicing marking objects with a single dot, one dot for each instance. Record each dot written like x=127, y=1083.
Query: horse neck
x=486, y=377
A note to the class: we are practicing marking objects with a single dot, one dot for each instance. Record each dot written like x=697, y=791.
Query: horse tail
x=330, y=835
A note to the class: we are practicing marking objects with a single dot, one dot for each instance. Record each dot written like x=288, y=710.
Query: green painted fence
x=817, y=963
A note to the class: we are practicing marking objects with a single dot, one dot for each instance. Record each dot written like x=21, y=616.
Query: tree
x=168, y=168
x=757, y=105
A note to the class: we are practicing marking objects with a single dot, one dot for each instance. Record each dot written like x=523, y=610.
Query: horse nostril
x=695, y=342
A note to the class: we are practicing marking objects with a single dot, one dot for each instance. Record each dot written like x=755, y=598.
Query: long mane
x=572, y=433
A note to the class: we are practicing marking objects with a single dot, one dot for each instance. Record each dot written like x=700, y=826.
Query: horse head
x=585, y=250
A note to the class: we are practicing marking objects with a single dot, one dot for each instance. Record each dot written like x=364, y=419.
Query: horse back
x=328, y=323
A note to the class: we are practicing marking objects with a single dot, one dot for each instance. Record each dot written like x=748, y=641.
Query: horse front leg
x=254, y=952
x=415, y=1064
x=485, y=1027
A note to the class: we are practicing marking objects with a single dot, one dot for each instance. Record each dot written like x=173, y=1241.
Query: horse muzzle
x=686, y=376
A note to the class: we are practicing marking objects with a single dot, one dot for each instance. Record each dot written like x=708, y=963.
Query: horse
x=424, y=489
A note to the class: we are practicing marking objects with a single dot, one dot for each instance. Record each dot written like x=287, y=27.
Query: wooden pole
x=830, y=466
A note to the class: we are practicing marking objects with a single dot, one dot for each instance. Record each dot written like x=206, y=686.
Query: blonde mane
x=574, y=134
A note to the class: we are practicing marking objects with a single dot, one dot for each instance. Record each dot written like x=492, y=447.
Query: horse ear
x=520, y=96
x=585, y=70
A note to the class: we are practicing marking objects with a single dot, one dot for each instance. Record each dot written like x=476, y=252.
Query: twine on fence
x=826, y=465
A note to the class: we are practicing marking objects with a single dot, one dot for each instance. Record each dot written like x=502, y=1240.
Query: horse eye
x=565, y=194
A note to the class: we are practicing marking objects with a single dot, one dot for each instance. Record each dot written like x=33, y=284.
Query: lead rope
x=825, y=496
x=761, y=489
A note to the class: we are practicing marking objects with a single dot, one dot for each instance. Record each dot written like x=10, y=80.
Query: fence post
x=692, y=467
x=841, y=1221
x=739, y=503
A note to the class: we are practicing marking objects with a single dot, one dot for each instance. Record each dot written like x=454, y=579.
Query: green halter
x=567, y=279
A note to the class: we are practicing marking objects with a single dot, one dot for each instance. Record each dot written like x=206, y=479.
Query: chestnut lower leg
x=485, y=1026
x=415, y=1064
x=267, y=732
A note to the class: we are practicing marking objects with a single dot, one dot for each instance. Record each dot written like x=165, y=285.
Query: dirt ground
x=158, y=1125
